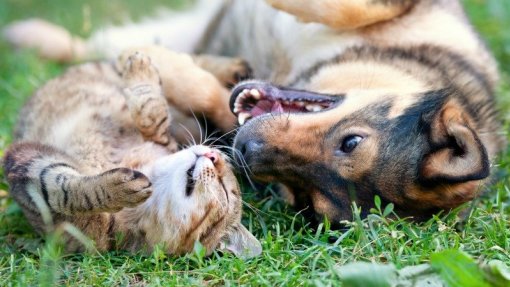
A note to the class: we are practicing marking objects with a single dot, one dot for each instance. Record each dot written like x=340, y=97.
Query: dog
x=353, y=99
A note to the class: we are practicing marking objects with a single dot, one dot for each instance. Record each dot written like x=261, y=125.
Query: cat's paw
x=149, y=109
x=125, y=187
x=138, y=70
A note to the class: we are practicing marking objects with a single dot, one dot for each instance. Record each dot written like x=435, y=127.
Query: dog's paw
x=125, y=188
x=236, y=71
x=228, y=71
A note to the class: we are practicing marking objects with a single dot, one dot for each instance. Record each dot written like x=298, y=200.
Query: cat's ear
x=241, y=242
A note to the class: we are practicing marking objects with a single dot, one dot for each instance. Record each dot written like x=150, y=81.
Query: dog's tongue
x=265, y=106
x=277, y=108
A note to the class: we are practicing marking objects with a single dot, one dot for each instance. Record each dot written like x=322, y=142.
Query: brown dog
x=368, y=97
x=406, y=113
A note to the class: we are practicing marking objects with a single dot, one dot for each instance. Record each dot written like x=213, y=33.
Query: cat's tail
x=50, y=41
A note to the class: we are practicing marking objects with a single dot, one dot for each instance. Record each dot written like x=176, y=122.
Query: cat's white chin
x=170, y=176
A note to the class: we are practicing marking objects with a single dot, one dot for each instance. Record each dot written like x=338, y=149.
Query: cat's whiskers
x=224, y=135
x=191, y=141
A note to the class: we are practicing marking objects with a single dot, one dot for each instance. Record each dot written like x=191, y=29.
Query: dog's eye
x=350, y=143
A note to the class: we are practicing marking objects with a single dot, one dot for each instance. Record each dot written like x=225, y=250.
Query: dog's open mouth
x=250, y=100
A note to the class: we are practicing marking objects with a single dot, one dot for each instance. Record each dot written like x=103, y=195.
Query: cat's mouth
x=252, y=99
x=206, y=167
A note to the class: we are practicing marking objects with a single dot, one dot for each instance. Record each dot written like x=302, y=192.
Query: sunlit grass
x=293, y=253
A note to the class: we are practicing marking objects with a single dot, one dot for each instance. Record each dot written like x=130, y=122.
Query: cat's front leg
x=148, y=106
x=39, y=174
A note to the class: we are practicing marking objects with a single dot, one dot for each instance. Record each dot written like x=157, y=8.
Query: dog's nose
x=249, y=148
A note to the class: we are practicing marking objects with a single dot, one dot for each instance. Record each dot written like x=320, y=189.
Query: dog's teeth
x=286, y=103
x=313, y=108
x=317, y=108
x=237, y=103
x=300, y=104
x=242, y=95
x=236, y=109
x=255, y=94
x=243, y=117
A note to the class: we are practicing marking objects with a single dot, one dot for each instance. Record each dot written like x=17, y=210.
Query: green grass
x=293, y=254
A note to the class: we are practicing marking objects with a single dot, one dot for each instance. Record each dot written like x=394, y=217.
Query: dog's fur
x=407, y=109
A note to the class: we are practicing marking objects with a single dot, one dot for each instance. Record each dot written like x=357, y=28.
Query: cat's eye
x=190, y=183
x=349, y=143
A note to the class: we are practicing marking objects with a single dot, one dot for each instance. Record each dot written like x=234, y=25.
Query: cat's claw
x=125, y=187
x=138, y=69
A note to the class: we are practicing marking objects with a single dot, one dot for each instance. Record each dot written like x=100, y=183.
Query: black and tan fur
x=408, y=84
x=94, y=147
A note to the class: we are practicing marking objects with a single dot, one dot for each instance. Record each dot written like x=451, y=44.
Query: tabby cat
x=94, y=146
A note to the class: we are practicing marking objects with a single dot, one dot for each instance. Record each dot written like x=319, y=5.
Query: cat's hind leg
x=148, y=107
x=39, y=174
x=188, y=87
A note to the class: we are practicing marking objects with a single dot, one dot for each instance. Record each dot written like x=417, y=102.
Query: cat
x=94, y=147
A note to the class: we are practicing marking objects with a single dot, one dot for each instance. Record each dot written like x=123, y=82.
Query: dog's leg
x=180, y=31
x=229, y=71
x=47, y=39
x=188, y=87
x=344, y=14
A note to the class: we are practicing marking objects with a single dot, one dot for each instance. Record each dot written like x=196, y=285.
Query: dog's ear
x=457, y=154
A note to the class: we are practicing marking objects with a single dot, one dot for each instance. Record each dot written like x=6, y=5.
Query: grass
x=293, y=254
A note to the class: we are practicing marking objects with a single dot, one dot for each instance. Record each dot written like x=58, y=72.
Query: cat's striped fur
x=93, y=145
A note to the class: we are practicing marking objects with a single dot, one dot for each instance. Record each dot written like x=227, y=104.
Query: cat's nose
x=214, y=156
